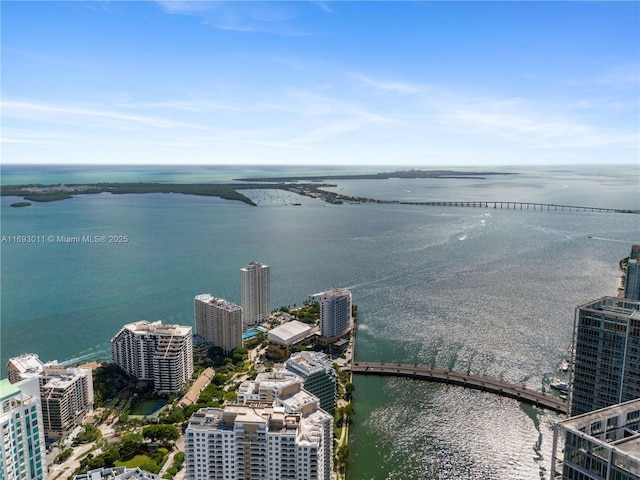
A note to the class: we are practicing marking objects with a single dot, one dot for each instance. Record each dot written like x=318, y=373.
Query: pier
x=462, y=379
x=519, y=206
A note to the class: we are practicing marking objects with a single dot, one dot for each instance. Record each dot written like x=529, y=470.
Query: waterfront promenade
x=463, y=379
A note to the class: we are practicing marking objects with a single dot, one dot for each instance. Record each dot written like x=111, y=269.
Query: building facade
x=66, y=392
x=318, y=377
x=282, y=388
x=256, y=293
x=22, y=444
x=335, y=313
x=632, y=280
x=258, y=441
x=599, y=445
x=219, y=322
x=162, y=354
x=606, y=354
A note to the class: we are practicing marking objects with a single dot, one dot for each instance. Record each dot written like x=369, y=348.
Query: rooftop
x=310, y=362
x=7, y=389
x=27, y=364
x=291, y=332
x=144, y=326
x=624, y=438
x=622, y=307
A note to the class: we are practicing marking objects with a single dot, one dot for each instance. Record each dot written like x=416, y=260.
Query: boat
x=564, y=366
x=560, y=385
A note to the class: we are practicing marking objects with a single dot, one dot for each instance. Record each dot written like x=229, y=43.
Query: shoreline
x=228, y=191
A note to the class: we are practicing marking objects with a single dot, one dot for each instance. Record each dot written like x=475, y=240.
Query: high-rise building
x=632, y=275
x=66, y=392
x=219, y=322
x=22, y=444
x=606, y=354
x=256, y=293
x=154, y=352
x=260, y=440
x=599, y=445
x=335, y=313
x=318, y=376
x=285, y=389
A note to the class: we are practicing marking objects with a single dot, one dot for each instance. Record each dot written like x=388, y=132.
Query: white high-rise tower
x=152, y=351
x=256, y=293
x=335, y=312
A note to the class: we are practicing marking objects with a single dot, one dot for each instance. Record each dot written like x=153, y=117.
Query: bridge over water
x=467, y=380
x=519, y=206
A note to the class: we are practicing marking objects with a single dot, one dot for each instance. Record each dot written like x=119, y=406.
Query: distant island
x=412, y=173
x=229, y=191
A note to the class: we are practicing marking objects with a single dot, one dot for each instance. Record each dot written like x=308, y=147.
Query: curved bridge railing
x=462, y=379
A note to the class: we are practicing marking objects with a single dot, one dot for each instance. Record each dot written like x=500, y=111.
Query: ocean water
x=491, y=291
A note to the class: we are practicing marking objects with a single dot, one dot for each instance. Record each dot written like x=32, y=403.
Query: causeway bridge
x=519, y=206
x=462, y=379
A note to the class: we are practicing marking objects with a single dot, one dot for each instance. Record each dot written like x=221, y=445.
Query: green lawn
x=134, y=462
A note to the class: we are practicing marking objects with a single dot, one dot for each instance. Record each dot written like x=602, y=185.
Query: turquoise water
x=491, y=291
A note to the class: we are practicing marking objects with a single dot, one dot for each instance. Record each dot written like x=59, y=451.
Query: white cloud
x=264, y=17
x=186, y=105
x=549, y=129
x=328, y=114
x=80, y=115
x=622, y=77
x=385, y=86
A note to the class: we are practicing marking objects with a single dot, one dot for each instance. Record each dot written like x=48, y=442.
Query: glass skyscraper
x=606, y=354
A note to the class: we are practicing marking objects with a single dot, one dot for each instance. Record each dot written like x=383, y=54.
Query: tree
x=349, y=388
x=175, y=416
x=62, y=456
x=150, y=466
x=163, y=433
x=111, y=456
x=348, y=410
x=237, y=358
x=130, y=444
x=343, y=457
x=90, y=433
x=96, y=462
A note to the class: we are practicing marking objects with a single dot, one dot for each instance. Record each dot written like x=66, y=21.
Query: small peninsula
x=52, y=193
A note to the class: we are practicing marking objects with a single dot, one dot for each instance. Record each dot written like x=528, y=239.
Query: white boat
x=560, y=385
x=564, y=366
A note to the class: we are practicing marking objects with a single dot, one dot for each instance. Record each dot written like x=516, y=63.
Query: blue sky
x=347, y=83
